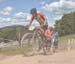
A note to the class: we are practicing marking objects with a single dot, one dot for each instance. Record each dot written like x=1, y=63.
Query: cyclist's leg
x=43, y=29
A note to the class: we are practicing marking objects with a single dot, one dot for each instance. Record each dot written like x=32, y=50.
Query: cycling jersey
x=40, y=18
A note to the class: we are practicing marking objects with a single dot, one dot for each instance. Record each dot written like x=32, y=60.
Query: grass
x=15, y=50
x=11, y=51
x=65, y=38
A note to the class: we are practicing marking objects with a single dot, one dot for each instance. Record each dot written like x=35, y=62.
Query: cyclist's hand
x=37, y=27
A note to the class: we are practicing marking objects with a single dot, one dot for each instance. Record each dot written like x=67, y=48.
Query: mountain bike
x=35, y=41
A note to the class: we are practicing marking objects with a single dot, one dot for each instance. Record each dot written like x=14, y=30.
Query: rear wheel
x=46, y=46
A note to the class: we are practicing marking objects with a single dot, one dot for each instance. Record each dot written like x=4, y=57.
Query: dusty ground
x=67, y=57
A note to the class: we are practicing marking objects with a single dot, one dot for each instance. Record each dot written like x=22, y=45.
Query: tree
x=66, y=25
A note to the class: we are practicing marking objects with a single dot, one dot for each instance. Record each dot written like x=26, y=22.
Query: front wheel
x=27, y=43
x=30, y=43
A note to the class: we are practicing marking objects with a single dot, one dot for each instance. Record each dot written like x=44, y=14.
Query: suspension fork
x=33, y=36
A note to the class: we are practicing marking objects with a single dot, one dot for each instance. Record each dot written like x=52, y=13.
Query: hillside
x=11, y=32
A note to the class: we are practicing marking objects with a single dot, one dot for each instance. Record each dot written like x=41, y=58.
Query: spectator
x=55, y=40
x=48, y=35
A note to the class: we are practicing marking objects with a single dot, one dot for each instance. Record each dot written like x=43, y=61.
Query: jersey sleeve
x=42, y=16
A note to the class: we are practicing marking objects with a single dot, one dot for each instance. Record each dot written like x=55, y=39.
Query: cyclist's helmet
x=33, y=10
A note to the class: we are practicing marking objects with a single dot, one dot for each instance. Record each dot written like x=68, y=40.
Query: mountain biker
x=41, y=19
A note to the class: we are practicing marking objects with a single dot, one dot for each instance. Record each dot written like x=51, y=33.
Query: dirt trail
x=67, y=57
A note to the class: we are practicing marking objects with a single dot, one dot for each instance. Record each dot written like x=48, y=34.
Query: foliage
x=66, y=25
x=12, y=32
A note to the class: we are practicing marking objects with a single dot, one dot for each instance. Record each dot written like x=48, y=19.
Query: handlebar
x=36, y=28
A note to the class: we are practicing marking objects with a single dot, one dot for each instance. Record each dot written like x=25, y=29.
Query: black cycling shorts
x=45, y=27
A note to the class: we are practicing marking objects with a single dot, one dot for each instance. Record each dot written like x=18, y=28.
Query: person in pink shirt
x=48, y=33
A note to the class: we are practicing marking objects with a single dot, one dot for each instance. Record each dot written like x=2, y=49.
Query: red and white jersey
x=40, y=18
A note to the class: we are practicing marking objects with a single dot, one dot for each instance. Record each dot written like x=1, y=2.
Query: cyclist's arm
x=30, y=22
x=45, y=21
